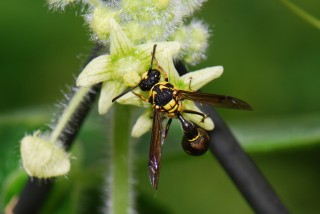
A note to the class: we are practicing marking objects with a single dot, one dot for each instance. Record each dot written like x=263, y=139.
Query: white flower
x=123, y=66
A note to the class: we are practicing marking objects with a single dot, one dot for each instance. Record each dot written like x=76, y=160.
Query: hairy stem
x=35, y=191
x=120, y=194
x=68, y=113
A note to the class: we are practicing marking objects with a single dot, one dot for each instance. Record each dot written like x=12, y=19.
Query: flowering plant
x=130, y=29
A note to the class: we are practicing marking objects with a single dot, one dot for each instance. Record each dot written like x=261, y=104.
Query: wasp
x=167, y=101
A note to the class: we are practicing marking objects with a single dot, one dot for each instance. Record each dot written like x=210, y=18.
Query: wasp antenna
x=153, y=54
x=127, y=91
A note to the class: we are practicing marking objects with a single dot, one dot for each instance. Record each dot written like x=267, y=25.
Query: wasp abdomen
x=198, y=145
x=195, y=140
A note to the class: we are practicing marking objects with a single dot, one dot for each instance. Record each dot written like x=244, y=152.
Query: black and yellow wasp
x=167, y=101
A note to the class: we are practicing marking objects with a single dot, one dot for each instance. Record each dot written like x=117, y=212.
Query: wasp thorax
x=197, y=146
x=149, y=79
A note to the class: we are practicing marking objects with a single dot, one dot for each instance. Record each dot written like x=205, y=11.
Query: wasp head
x=149, y=79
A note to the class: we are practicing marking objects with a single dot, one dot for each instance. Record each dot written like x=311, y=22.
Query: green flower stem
x=68, y=113
x=302, y=13
x=121, y=200
x=34, y=195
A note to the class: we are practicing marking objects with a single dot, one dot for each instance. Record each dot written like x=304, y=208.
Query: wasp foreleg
x=141, y=97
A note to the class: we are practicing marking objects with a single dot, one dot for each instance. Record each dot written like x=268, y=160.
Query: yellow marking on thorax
x=152, y=94
x=161, y=87
x=174, y=104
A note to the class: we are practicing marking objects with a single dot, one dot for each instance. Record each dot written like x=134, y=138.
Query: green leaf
x=12, y=129
x=12, y=186
x=282, y=132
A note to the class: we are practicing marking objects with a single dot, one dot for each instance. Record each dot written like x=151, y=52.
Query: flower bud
x=42, y=158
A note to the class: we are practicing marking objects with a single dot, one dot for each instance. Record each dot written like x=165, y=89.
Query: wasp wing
x=215, y=100
x=157, y=139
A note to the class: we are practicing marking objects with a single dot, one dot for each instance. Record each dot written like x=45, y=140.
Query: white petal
x=96, y=71
x=207, y=124
x=132, y=99
x=166, y=62
x=110, y=89
x=171, y=48
x=43, y=159
x=142, y=125
x=145, y=50
x=201, y=77
x=120, y=43
x=165, y=53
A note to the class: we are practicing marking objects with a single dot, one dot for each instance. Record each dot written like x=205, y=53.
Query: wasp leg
x=204, y=116
x=167, y=127
x=141, y=97
x=190, y=79
x=127, y=91
x=163, y=73
x=161, y=70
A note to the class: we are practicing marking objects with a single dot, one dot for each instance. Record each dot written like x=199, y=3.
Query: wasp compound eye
x=198, y=145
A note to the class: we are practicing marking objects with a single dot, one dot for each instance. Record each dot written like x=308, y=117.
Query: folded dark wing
x=155, y=148
x=215, y=100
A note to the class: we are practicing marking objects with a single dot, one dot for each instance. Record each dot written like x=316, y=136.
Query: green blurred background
x=269, y=54
x=271, y=59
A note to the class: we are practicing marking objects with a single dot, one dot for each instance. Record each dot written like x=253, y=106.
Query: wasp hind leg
x=167, y=127
x=204, y=116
